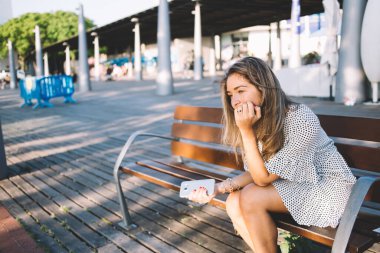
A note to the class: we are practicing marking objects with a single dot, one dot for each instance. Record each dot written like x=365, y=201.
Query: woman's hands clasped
x=246, y=115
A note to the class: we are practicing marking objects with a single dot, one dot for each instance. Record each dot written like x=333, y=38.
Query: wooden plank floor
x=61, y=185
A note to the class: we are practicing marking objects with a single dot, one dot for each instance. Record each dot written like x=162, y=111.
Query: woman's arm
x=246, y=116
x=201, y=196
x=255, y=162
x=240, y=181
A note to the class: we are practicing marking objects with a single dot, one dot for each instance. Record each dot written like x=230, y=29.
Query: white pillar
x=96, y=56
x=198, y=68
x=46, y=64
x=307, y=25
x=375, y=91
x=370, y=41
x=164, y=75
x=129, y=65
x=218, y=52
x=350, y=77
x=212, y=69
x=12, y=68
x=39, y=64
x=84, y=76
x=295, y=55
x=130, y=69
x=138, y=72
x=278, y=53
x=270, y=53
x=67, y=62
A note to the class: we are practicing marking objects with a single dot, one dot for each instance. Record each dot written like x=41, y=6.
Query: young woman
x=291, y=165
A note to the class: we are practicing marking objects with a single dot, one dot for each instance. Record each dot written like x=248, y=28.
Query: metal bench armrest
x=129, y=143
x=359, y=191
x=127, y=221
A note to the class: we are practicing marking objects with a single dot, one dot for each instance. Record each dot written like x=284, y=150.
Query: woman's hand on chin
x=246, y=115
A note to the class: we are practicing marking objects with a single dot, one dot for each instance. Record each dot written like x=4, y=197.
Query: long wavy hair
x=270, y=128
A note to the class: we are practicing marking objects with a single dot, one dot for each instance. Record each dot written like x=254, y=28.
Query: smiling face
x=239, y=91
x=251, y=80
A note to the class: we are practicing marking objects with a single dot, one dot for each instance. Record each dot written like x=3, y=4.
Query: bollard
x=3, y=162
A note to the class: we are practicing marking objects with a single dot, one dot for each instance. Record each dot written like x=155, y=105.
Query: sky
x=102, y=12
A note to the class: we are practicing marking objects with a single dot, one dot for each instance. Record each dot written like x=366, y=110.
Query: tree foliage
x=54, y=27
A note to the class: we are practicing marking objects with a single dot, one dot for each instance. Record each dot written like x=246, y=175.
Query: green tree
x=54, y=27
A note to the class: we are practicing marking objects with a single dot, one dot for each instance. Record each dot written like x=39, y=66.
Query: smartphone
x=189, y=186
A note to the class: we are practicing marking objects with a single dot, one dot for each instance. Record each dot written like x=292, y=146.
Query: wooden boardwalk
x=61, y=159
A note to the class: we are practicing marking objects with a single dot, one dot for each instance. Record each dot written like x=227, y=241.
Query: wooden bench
x=198, y=154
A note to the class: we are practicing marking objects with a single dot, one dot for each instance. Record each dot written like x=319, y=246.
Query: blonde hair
x=270, y=128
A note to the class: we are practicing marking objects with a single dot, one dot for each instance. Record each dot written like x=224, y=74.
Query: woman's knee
x=232, y=204
x=250, y=199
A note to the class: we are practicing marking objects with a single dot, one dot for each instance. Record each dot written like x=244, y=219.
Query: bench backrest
x=357, y=139
x=198, y=127
x=362, y=155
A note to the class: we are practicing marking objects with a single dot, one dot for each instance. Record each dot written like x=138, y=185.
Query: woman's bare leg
x=235, y=214
x=256, y=203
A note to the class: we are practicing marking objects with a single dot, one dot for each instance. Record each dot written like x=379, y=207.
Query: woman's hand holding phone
x=200, y=195
x=200, y=191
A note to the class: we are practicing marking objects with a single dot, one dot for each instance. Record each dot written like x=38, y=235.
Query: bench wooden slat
x=370, y=211
x=204, y=154
x=153, y=176
x=359, y=242
x=351, y=127
x=362, y=173
x=204, y=114
x=184, y=166
x=185, y=175
x=176, y=169
x=372, y=205
x=374, y=193
x=368, y=220
x=197, y=132
x=164, y=180
x=366, y=158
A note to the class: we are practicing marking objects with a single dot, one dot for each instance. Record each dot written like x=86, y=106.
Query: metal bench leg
x=127, y=222
x=359, y=191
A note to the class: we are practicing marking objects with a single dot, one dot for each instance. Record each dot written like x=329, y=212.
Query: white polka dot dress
x=315, y=181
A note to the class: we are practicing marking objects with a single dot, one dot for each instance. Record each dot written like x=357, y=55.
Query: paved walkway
x=61, y=159
x=13, y=238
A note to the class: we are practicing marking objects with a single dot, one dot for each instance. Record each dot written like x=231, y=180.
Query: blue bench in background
x=45, y=88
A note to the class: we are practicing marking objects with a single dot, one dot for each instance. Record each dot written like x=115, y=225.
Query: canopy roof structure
x=218, y=16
